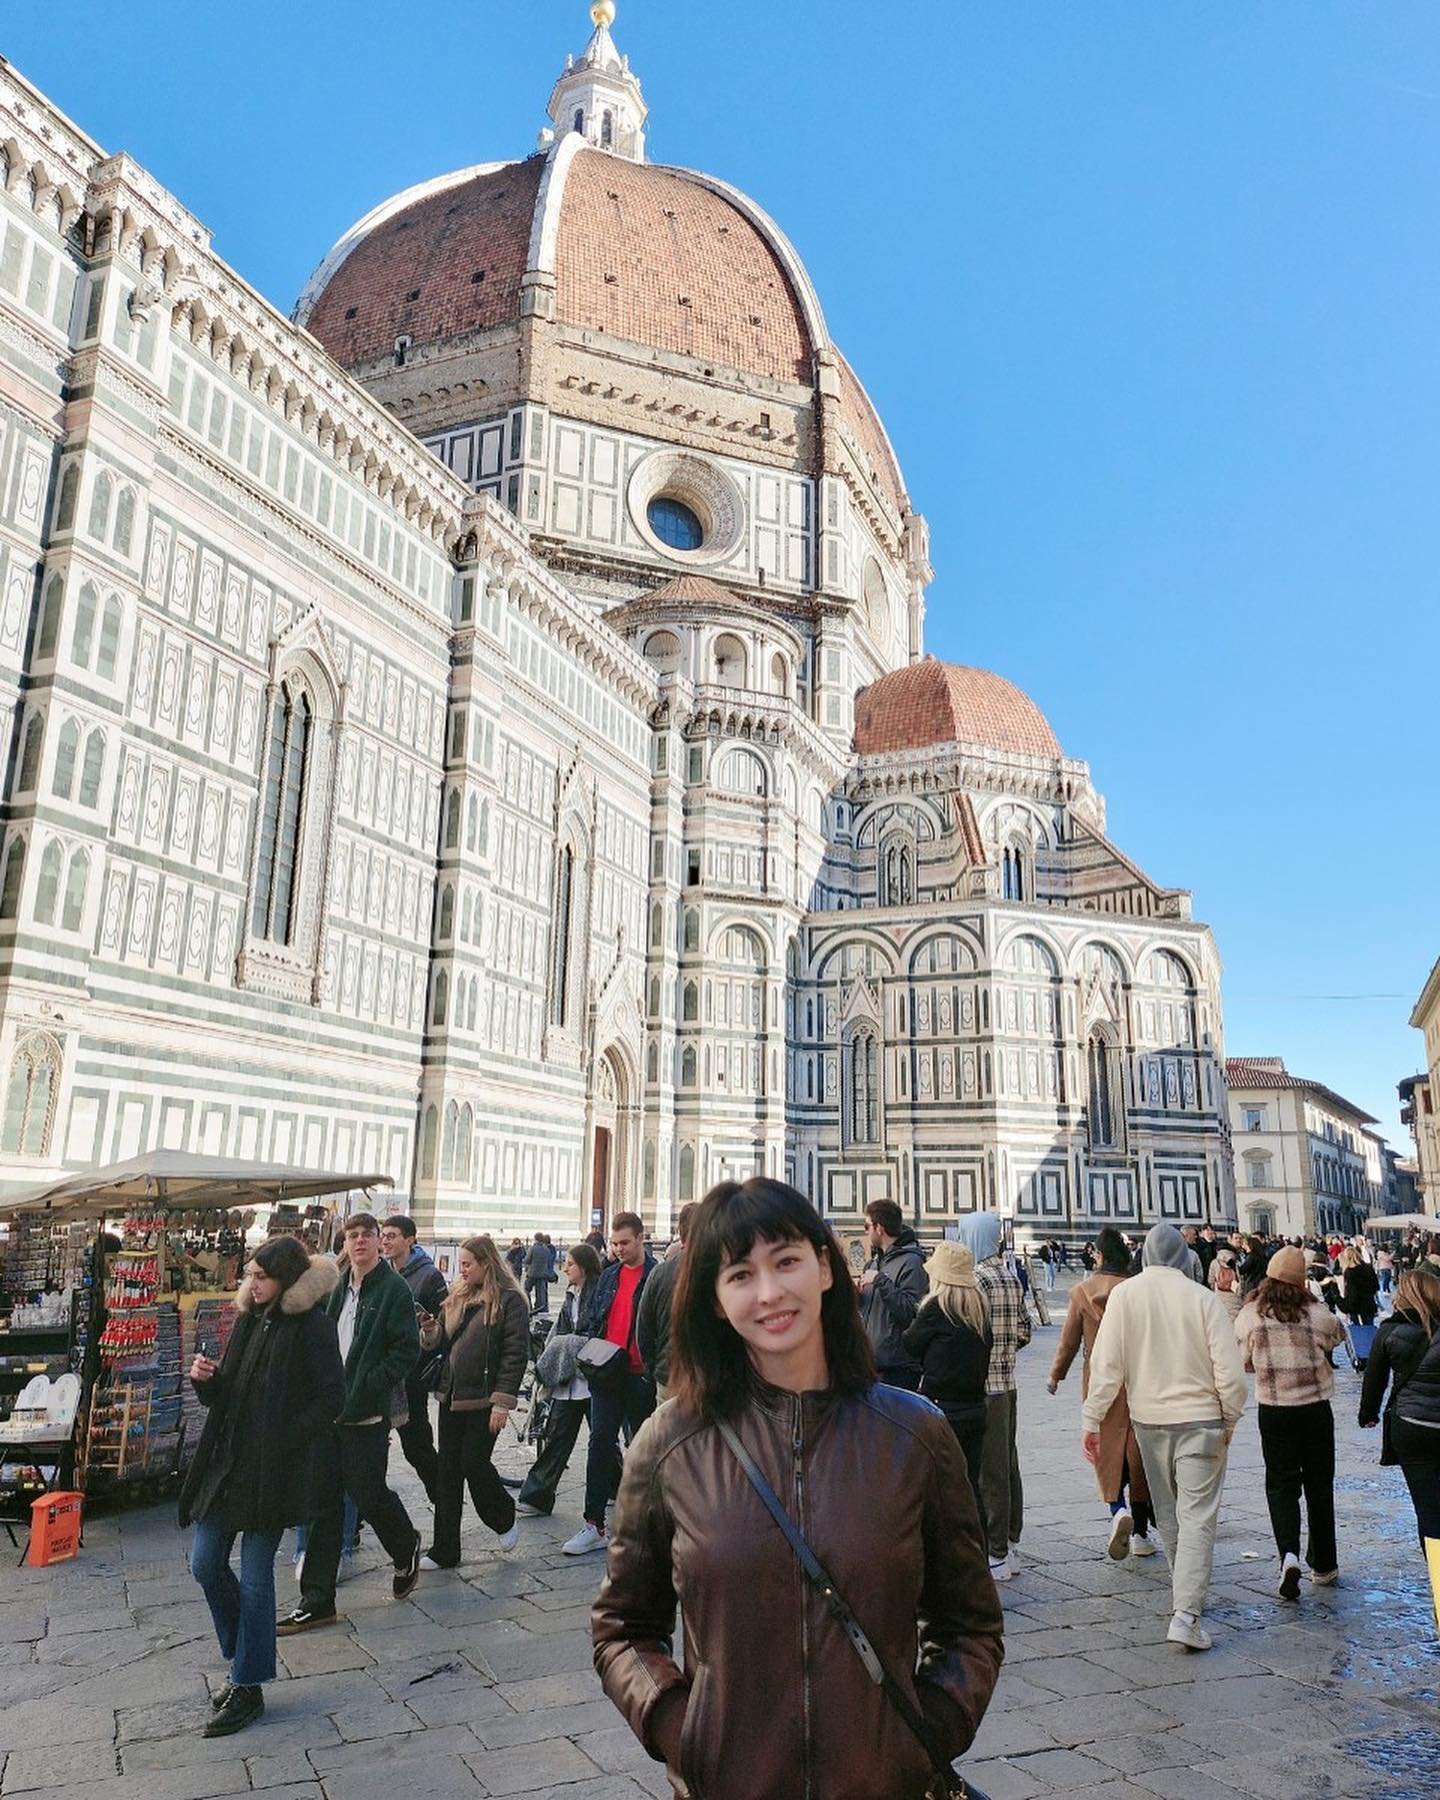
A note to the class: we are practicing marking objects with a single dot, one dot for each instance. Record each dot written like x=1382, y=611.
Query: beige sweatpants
x=1185, y=1466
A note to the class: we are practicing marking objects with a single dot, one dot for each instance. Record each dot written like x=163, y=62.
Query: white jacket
x=1170, y=1344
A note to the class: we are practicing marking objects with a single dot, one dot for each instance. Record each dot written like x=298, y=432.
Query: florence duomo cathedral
x=479, y=730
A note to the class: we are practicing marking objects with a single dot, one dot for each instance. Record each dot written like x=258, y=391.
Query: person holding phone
x=271, y=1402
x=484, y=1331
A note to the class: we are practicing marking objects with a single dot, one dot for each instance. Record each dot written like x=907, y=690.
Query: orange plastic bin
x=54, y=1528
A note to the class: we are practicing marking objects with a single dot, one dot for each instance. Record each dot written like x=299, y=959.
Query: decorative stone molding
x=706, y=489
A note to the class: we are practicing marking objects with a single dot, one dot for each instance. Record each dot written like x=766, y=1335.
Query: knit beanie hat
x=1287, y=1265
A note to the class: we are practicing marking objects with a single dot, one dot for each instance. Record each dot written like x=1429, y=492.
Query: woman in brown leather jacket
x=774, y=1702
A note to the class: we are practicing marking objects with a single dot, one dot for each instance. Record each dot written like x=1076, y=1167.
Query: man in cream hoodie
x=1170, y=1344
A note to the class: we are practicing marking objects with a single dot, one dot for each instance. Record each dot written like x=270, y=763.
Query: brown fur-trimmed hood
x=314, y=1287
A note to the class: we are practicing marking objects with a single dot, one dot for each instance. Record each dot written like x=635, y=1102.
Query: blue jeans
x=243, y=1610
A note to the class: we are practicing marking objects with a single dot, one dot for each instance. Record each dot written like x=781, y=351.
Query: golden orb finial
x=603, y=12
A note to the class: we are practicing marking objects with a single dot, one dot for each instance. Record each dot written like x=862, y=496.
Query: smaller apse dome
x=932, y=702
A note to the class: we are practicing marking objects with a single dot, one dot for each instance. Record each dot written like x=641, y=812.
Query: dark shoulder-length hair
x=1115, y=1257
x=709, y=1365
x=1283, y=1301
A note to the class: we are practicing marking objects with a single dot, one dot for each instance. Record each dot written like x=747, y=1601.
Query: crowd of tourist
x=786, y=1386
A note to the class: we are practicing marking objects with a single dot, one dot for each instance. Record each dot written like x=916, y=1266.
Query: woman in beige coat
x=1119, y=1471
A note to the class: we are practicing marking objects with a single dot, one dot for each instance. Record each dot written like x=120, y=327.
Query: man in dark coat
x=380, y=1343
x=891, y=1288
x=652, y=1330
x=428, y=1288
x=537, y=1274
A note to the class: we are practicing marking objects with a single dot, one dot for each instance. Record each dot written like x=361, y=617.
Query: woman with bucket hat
x=1286, y=1336
x=950, y=1339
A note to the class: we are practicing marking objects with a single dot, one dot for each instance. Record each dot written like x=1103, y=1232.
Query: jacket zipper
x=797, y=1445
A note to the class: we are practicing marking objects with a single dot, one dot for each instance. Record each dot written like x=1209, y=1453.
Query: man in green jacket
x=379, y=1343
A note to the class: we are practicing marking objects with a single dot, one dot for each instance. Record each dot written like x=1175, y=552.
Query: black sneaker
x=221, y=1695
x=409, y=1574
x=243, y=1707
x=305, y=1619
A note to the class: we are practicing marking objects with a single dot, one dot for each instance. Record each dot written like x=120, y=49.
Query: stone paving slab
x=481, y=1685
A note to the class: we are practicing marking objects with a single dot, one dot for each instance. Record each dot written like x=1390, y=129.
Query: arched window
x=72, y=913
x=1101, y=1090
x=66, y=750
x=692, y=928
x=688, y=1067
x=484, y=827
x=472, y=824
x=447, y=1149
x=657, y=926
x=49, y=634
x=464, y=1136
x=100, y=508
x=82, y=638
x=607, y=129
x=863, y=1070
x=442, y=998
x=562, y=929
x=109, y=656
x=899, y=874
x=69, y=487
x=30, y=755
x=30, y=1097
x=687, y=1171
x=729, y=661
x=472, y=1005
x=47, y=890
x=124, y=520
x=464, y=918
x=691, y=1007
x=428, y=1133
x=452, y=820
x=92, y=769
x=278, y=869
x=779, y=675
x=1014, y=873
x=10, y=886
x=578, y=122
x=447, y=912
x=652, y=1061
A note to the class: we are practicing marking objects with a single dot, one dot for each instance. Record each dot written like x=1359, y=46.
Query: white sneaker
x=1186, y=1629
x=1122, y=1527
x=524, y=1510
x=1142, y=1545
x=507, y=1540
x=429, y=1563
x=1001, y=1568
x=1326, y=1580
x=1289, y=1588
x=588, y=1537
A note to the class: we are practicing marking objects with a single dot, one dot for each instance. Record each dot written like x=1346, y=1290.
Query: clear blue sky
x=1148, y=296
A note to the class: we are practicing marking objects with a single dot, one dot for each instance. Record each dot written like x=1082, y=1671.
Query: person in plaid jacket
x=1004, y=1498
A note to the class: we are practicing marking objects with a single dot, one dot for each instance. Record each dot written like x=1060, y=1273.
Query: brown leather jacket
x=780, y=1706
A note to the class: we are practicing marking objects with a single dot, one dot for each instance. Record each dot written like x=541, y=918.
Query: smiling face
x=394, y=1245
x=771, y=1298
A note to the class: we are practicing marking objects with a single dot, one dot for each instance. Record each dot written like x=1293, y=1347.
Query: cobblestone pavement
x=481, y=1683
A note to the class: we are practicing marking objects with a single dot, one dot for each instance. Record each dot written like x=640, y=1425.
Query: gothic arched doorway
x=610, y=1186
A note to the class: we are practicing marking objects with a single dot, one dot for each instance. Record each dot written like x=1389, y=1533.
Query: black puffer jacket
x=1406, y=1359
x=891, y=1301
x=955, y=1360
x=271, y=1411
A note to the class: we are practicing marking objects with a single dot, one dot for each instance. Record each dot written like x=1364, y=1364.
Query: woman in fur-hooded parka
x=271, y=1410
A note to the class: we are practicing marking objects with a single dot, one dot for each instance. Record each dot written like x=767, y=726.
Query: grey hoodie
x=980, y=1233
x=1166, y=1249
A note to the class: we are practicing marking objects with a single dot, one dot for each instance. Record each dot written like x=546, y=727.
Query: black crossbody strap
x=818, y=1578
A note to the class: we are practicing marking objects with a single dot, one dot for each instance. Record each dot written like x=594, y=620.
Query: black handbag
x=945, y=1784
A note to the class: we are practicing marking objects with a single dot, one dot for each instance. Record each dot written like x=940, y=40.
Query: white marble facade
x=390, y=796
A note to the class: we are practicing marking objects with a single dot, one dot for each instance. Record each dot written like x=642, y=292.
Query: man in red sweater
x=628, y=1404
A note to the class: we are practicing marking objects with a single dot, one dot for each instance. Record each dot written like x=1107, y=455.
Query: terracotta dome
x=648, y=254
x=933, y=702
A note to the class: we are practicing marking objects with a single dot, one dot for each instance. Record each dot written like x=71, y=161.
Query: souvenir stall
x=131, y=1270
